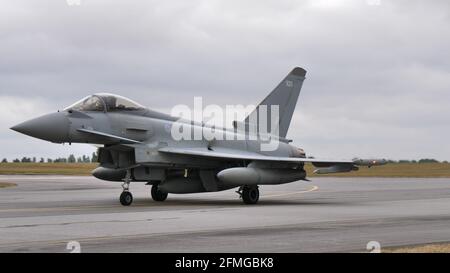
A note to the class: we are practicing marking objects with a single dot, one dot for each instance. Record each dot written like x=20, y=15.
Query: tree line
x=70, y=159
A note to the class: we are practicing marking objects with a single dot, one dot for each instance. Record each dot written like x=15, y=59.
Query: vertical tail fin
x=285, y=96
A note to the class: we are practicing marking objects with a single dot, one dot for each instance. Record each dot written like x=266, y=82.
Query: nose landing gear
x=126, y=198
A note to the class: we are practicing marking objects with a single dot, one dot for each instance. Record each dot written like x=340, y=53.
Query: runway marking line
x=313, y=188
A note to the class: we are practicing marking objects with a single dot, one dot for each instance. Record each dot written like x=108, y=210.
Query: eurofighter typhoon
x=138, y=144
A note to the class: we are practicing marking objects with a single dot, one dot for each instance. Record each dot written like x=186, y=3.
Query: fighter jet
x=137, y=145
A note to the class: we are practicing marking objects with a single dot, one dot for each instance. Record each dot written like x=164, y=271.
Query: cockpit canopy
x=105, y=102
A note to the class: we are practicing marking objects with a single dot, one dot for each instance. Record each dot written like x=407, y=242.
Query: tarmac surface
x=44, y=213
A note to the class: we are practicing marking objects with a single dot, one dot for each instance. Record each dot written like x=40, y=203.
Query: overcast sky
x=378, y=81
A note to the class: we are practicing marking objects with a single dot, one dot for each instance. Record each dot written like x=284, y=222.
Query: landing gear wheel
x=250, y=195
x=126, y=198
x=158, y=195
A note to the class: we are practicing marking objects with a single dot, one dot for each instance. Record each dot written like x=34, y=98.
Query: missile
x=256, y=176
x=347, y=167
x=369, y=162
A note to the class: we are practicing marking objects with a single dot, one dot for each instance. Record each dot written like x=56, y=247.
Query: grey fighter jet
x=137, y=144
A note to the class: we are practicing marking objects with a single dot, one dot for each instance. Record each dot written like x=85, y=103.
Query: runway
x=44, y=213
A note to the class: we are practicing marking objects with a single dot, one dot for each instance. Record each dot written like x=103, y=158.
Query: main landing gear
x=157, y=194
x=126, y=198
x=249, y=194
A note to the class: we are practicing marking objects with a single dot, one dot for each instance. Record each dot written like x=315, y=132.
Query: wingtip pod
x=369, y=162
x=298, y=71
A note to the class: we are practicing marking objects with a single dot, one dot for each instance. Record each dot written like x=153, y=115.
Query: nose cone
x=52, y=127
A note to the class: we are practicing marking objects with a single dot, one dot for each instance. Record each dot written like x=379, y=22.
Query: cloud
x=377, y=83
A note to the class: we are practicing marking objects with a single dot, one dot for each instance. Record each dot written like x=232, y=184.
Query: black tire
x=250, y=195
x=126, y=198
x=158, y=195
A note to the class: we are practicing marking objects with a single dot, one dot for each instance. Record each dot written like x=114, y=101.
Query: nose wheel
x=126, y=198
